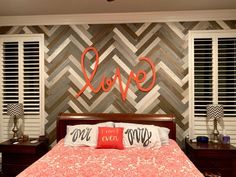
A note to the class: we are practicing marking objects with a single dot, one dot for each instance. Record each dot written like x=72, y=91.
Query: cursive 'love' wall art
x=107, y=83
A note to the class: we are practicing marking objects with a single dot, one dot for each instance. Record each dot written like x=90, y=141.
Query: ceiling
x=54, y=7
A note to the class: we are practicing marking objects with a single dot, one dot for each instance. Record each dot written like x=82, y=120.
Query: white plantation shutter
x=22, y=82
x=227, y=75
x=202, y=75
x=212, y=71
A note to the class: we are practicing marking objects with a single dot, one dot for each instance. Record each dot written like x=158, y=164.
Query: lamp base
x=15, y=137
x=215, y=141
x=215, y=133
x=15, y=129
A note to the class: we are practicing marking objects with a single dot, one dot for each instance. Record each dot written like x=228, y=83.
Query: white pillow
x=84, y=134
x=164, y=135
x=139, y=135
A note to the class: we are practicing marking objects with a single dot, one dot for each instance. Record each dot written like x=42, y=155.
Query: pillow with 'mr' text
x=84, y=134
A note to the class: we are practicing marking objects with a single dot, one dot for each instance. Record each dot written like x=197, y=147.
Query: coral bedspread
x=65, y=161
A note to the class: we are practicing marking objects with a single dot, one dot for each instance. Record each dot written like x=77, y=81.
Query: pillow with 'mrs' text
x=84, y=135
x=139, y=135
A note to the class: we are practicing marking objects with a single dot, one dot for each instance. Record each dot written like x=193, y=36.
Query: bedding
x=110, y=138
x=77, y=161
x=138, y=161
x=164, y=135
x=140, y=135
x=84, y=135
x=161, y=120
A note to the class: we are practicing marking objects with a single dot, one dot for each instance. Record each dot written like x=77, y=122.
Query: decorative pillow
x=84, y=135
x=139, y=135
x=164, y=135
x=110, y=138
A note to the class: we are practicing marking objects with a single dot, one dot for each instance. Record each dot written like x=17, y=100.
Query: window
x=212, y=77
x=22, y=64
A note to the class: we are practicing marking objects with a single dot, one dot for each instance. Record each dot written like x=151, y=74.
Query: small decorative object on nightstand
x=16, y=156
x=214, y=158
x=215, y=111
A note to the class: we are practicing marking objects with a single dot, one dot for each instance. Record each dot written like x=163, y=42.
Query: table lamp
x=15, y=110
x=215, y=111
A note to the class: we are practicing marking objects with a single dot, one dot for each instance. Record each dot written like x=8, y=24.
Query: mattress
x=68, y=161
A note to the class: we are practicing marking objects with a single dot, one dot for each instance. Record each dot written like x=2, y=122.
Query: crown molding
x=112, y=18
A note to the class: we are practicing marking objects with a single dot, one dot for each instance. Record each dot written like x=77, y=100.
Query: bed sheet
x=66, y=161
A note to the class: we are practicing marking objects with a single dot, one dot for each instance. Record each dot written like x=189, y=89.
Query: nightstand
x=213, y=158
x=17, y=157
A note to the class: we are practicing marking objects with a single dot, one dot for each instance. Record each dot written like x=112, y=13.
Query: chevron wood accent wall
x=119, y=45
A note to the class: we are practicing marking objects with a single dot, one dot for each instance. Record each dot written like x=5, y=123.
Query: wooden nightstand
x=17, y=157
x=215, y=158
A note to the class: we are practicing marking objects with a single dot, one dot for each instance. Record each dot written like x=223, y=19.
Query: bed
x=83, y=161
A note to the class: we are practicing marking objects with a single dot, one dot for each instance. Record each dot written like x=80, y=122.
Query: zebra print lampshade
x=215, y=111
x=15, y=109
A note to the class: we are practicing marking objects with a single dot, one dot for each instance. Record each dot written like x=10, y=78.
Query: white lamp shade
x=215, y=111
x=15, y=109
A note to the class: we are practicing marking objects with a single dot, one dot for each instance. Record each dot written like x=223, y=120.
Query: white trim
x=209, y=33
x=191, y=86
x=42, y=86
x=14, y=37
x=215, y=71
x=1, y=67
x=112, y=18
x=20, y=71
